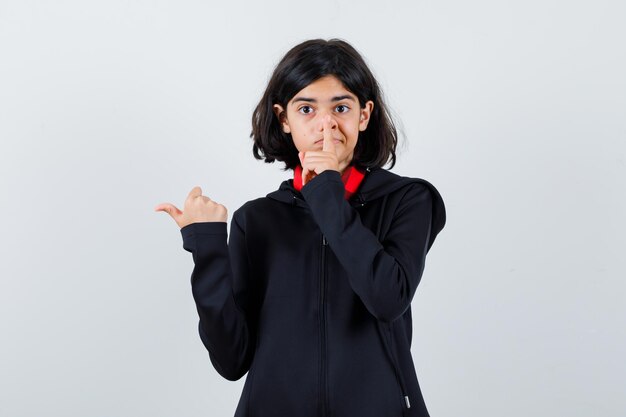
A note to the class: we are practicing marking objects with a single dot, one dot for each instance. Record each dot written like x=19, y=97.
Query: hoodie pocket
x=389, y=346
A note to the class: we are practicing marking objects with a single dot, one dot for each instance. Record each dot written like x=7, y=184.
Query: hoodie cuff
x=203, y=228
x=329, y=175
x=215, y=235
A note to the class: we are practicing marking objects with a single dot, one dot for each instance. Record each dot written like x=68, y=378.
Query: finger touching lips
x=329, y=141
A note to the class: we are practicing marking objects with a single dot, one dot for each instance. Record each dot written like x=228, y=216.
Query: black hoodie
x=311, y=295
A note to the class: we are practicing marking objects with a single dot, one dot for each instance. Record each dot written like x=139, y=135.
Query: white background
x=515, y=111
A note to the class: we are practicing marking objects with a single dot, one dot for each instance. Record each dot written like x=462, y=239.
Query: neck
x=344, y=166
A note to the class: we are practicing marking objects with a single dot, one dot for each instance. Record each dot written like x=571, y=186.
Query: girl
x=311, y=295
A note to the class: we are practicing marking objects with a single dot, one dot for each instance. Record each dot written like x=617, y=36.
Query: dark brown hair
x=302, y=65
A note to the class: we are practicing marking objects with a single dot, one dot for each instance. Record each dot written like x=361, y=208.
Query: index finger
x=329, y=145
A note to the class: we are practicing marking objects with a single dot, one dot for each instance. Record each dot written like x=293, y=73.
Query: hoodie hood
x=377, y=183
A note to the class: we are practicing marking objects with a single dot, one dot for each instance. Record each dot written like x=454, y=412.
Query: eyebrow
x=312, y=100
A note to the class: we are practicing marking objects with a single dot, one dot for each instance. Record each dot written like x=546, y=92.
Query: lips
x=322, y=140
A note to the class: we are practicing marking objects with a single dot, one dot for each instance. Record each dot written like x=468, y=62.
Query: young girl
x=311, y=295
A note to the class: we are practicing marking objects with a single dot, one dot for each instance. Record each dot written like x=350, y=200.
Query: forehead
x=325, y=89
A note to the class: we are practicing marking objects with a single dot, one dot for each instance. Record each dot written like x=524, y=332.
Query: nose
x=322, y=117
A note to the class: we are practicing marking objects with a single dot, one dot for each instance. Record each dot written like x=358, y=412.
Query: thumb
x=170, y=209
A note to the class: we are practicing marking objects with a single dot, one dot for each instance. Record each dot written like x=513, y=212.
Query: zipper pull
x=324, y=242
x=359, y=201
x=406, y=400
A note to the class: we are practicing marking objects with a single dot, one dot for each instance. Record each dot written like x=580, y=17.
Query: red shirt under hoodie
x=351, y=177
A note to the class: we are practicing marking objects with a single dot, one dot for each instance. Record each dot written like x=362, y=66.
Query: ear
x=366, y=112
x=281, y=114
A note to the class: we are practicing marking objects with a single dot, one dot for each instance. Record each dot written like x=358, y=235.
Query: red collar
x=351, y=177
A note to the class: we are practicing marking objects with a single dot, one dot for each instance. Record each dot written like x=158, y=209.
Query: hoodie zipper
x=323, y=385
x=323, y=382
x=399, y=378
x=322, y=373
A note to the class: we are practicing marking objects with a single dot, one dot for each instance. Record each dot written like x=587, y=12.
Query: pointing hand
x=198, y=208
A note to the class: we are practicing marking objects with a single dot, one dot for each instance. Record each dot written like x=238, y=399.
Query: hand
x=315, y=162
x=198, y=208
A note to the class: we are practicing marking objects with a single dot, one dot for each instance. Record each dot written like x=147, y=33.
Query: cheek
x=300, y=137
x=351, y=130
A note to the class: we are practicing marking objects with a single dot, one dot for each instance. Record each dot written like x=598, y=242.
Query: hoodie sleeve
x=384, y=275
x=219, y=283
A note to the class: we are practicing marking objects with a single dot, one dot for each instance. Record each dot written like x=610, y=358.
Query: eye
x=304, y=107
x=343, y=105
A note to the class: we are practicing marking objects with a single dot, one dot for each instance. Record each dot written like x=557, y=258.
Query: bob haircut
x=302, y=65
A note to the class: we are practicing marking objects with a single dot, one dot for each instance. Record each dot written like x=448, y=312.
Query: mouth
x=320, y=141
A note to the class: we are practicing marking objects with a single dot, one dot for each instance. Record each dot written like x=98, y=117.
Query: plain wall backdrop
x=515, y=111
